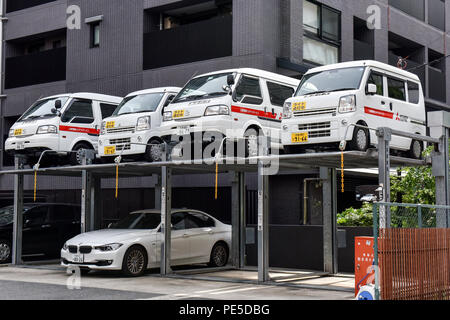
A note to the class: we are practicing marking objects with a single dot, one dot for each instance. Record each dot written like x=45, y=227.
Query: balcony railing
x=414, y=67
x=14, y=5
x=363, y=50
x=36, y=68
x=189, y=43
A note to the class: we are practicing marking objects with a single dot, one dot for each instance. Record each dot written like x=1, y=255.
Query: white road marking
x=239, y=290
x=218, y=289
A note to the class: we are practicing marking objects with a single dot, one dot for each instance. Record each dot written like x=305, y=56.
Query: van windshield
x=204, y=87
x=139, y=103
x=42, y=108
x=331, y=80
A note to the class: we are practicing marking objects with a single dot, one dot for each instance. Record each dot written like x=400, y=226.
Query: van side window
x=80, y=111
x=279, y=93
x=396, y=89
x=249, y=86
x=377, y=79
x=413, y=92
x=107, y=109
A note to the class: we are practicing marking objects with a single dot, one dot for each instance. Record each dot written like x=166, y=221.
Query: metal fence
x=411, y=252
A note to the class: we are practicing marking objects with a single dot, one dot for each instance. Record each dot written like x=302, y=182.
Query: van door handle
x=383, y=103
x=391, y=105
x=45, y=226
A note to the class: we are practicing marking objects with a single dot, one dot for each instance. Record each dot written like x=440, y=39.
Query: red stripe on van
x=253, y=112
x=79, y=129
x=379, y=113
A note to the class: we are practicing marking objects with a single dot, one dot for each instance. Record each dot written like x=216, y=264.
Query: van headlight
x=109, y=247
x=11, y=133
x=143, y=123
x=46, y=129
x=287, y=110
x=217, y=110
x=347, y=104
x=167, y=116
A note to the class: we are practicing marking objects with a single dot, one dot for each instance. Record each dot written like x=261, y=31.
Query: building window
x=95, y=35
x=322, y=27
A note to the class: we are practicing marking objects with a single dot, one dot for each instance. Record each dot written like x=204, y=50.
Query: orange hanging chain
x=342, y=173
x=117, y=180
x=35, y=185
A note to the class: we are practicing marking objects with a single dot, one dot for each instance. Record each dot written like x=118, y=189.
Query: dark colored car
x=46, y=227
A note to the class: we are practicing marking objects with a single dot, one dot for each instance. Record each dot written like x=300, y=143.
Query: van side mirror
x=371, y=89
x=230, y=80
x=58, y=104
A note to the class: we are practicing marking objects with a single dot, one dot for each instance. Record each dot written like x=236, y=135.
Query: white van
x=233, y=103
x=133, y=126
x=330, y=100
x=61, y=123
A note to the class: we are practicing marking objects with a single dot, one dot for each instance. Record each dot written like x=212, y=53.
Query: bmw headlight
x=109, y=247
x=46, y=129
x=65, y=246
x=167, y=116
x=347, y=104
x=287, y=110
x=217, y=110
x=143, y=123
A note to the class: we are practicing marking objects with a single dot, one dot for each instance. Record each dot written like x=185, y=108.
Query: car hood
x=29, y=127
x=107, y=236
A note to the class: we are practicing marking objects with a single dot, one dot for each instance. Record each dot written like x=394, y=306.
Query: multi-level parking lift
x=328, y=164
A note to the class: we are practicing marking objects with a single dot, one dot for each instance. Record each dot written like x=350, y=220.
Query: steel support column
x=158, y=191
x=238, y=220
x=86, y=196
x=329, y=189
x=18, y=214
x=243, y=220
x=439, y=123
x=263, y=224
x=166, y=221
x=96, y=209
x=384, y=178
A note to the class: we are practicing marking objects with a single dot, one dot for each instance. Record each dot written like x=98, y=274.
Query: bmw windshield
x=215, y=85
x=331, y=81
x=140, y=103
x=42, y=109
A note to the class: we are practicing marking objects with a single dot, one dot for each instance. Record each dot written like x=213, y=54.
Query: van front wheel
x=360, y=141
x=76, y=156
x=154, y=151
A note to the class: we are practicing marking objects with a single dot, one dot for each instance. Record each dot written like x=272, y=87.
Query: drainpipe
x=305, y=198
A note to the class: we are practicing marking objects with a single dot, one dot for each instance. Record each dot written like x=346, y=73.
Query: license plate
x=299, y=106
x=110, y=124
x=18, y=132
x=299, y=137
x=78, y=258
x=110, y=150
x=20, y=145
x=178, y=114
x=182, y=131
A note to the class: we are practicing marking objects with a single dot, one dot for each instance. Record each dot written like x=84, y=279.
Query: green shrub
x=352, y=217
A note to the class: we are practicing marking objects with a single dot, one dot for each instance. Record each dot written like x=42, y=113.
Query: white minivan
x=331, y=100
x=132, y=130
x=65, y=124
x=234, y=103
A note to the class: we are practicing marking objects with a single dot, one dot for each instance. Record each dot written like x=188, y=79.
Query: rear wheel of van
x=360, y=141
x=76, y=156
x=154, y=151
x=5, y=251
x=416, y=149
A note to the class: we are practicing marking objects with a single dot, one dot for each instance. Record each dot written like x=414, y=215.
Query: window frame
x=71, y=104
x=107, y=104
x=404, y=87
x=267, y=82
x=377, y=73
x=93, y=26
x=243, y=75
x=408, y=82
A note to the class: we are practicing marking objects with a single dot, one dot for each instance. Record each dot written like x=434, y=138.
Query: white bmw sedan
x=134, y=243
